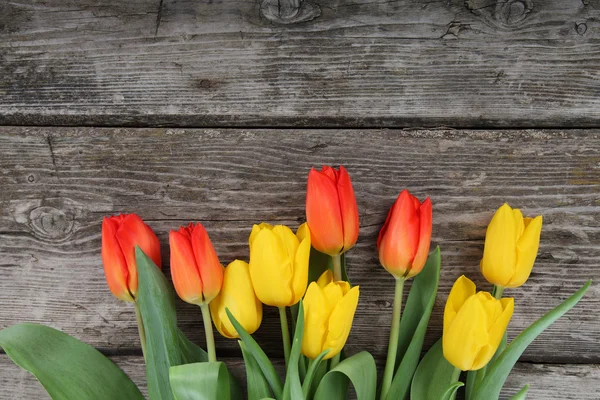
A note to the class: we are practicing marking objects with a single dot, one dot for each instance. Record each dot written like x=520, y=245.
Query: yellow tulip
x=474, y=324
x=237, y=294
x=511, y=246
x=279, y=263
x=329, y=309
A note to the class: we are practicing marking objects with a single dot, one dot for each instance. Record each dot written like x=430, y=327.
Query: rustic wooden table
x=96, y=97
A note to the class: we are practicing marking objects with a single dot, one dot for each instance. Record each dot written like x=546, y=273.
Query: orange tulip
x=331, y=210
x=403, y=242
x=120, y=235
x=195, y=268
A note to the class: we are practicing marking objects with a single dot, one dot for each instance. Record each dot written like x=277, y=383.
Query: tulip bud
x=331, y=211
x=195, y=268
x=279, y=263
x=404, y=240
x=238, y=296
x=474, y=324
x=120, y=235
x=329, y=309
x=511, y=246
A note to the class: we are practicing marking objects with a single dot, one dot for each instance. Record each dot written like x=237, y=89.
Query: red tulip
x=195, y=268
x=403, y=242
x=120, y=235
x=331, y=210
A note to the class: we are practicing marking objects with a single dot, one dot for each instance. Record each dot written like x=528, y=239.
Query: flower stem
x=337, y=267
x=390, y=364
x=498, y=291
x=208, y=331
x=140, y=324
x=285, y=334
x=335, y=360
x=455, y=375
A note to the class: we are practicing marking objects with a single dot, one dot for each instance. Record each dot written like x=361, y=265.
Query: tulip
x=195, y=268
x=511, y=246
x=331, y=211
x=329, y=309
x=120, y=235
x=279, y=263
x=403, y=242
x=474, y=324
x=238, y=296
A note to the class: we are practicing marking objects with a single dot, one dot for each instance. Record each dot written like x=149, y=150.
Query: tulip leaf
x=157, y=305
x=259, y=356
x=311, y=372
x=521, y=394
x=258, y=387
x=200, y=381
x=67, y=368
x=413, y=325
x=292, y=389
x=497, y=372
x=360, y=370
x=434, y=376
x=190, y=351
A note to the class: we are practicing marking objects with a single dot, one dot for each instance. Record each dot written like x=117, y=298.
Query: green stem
x=335, y=360
x=285, y=334
x=337, y=267
x=208, y=331
x=498, y=291
x=455, y=375
x=390, y=364
x=140, y=324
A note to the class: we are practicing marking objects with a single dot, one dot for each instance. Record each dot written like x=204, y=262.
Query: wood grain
x=58, y=183
x=547, y=381
x=479, y=63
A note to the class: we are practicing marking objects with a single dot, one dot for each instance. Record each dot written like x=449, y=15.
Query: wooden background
x=487, y=101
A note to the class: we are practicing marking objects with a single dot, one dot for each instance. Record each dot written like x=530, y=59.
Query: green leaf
x=190, y=351
x=450, y=393
x=360, y=370
x=292, y=389
x=497, y=372
x=200, y=381
x=413, y=325
x=521, y=394
x=259, y=356
x=434, y=376
x=157, y=305
x=67, y=368
x=258, y=387
x=311, y=373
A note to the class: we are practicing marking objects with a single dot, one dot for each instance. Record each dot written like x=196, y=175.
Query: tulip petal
x=315, y=321
x=333, y=294
x=184, y=271
x=288, y=240
x=301, y=260
x=256, y=229
x=208, y=264
x=527, y=249
x=325, y=278
x=237, y=295
x=115, y=266
x=340, y=322
x=399, y=244
x=499, y=253
x=425, y=218
x=348, y=208
x=271, y=269
x=323, y=213
x=519, y=223
x=134, y=232
x=462, y=289
x=466, y=335
x=501, y=323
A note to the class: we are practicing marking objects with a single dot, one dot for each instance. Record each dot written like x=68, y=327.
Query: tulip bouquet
x=304, y=275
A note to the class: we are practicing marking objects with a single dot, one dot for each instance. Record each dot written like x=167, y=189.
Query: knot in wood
x=289, y=11
x=50, y=223
x=513, y=11
x=581, y=28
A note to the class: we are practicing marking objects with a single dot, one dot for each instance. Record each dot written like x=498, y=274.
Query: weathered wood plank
x=58, y=183
x=548, y=381
x=479, y=63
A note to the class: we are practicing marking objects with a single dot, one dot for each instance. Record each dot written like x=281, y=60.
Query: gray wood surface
x=547, y=381
x=474, y=63
x=58, y=183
